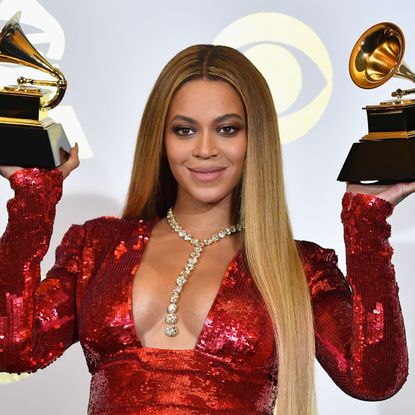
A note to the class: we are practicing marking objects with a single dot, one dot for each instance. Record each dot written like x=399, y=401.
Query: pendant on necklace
x=171, y=318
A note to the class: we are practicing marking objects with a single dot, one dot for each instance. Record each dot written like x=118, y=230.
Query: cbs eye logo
x=293, y=59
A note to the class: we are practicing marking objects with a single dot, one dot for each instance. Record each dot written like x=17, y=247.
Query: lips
x=206, y=169
x=207, y=173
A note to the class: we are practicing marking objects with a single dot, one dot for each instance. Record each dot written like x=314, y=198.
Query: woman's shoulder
x=100, y=235
x=113, y=223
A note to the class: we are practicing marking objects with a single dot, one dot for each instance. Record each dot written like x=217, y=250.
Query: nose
x=205, y=145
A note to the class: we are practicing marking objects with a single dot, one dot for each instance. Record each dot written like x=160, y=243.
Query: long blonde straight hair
x=259, y=202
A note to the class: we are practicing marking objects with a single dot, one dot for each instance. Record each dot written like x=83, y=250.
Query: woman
x=208, y=147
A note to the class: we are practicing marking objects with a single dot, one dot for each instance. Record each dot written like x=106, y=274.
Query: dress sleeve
x=37, y=319
x=359, y=330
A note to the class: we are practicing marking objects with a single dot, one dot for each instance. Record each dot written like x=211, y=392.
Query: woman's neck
x=202, y=220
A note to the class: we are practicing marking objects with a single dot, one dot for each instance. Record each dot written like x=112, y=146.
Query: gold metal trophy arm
x=399, y=93
x=16, y=48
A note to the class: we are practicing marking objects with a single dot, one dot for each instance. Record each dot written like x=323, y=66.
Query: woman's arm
x=360, y=336
x=37, y=319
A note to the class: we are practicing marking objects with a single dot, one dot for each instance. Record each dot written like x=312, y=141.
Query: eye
x=183, y=131
x=228, y=130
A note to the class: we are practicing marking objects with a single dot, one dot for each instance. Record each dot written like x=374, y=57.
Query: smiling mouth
x=207, y=174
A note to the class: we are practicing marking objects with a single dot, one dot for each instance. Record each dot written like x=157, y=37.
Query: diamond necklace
x=171, y=318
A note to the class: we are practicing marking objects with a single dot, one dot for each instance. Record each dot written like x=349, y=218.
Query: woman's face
x=205, y=140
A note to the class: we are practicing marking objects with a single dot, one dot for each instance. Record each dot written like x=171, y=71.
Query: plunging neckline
x=209, y=315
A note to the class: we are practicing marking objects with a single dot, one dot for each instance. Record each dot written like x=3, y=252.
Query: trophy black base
x=32, y=146
x=389, y=160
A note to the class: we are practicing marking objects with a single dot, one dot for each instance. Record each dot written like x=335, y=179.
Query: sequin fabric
x=87, y=297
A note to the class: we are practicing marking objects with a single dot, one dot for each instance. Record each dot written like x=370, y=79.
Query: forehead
x=205, y=99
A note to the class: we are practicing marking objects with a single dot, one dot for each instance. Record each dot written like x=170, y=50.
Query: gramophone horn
x=16, y=48
x=378, y=55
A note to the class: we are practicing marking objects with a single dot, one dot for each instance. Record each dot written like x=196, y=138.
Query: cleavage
x=155, y=280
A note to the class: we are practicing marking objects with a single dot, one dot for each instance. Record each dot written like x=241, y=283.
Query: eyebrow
x=217, y=119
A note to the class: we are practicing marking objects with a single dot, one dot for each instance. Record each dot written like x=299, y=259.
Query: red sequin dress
x=87, y=296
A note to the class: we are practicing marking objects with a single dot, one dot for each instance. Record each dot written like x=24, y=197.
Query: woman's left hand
x=393, y=193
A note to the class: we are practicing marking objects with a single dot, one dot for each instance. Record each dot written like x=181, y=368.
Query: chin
x=209, y=197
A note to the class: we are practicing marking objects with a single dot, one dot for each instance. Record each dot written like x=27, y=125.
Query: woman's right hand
x=71, y=163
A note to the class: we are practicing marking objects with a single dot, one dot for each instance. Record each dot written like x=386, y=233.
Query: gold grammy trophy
x=387, y=152
x=28, y=137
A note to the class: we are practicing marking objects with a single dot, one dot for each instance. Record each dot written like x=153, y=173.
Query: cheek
x=238, y=153
x=173, y=153
x=176, y=157
x=174, y=164
x=240, y=158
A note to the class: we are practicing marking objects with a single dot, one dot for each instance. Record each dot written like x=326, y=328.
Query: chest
x=223, y=312
x=154, y=285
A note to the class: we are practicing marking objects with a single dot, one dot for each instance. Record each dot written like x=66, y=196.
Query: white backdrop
x=112, y=51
